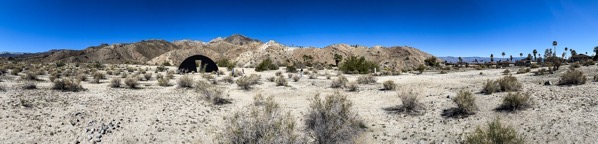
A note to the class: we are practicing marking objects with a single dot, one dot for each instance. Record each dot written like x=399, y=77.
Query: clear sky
x=440, y=27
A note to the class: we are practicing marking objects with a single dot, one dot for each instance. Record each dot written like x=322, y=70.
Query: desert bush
x=67, y=84
x=296, y=78
x=443, y=72
x=202, y=85
x=332, y=120
x=147, y=76
x=575, y=65
x=262, y=123
x=357, y=65
x=339, y=82
x=271, y=79
x=81, y=77
x=291, y=69
x=281, y=81
x=266, y=65
x=432, y=61
x=214, y=95
x=490, y=87
x=366, y=79
x=278, y=73
x=163, y=82
x=290, y=75
x=410, y=104
x=495, y=133
x=465, y=103
x=99, y=75
x=159, y=76
x=29, y=76
x=132, y=82
x=29, y=85
x=533, y=65
x=389, y=85
x=246, y=82
x=523, y=70
x=124, y=75
x=572, y=77
x=506, y=72
x=185, y=81
x=589, y=63
x=15, y=71
x=509, y=84
x=541, y=71
x=228, y=79
x=352, y=86
x=421, y=68
x=115, y=82
x=226, y=63
x=515, y=101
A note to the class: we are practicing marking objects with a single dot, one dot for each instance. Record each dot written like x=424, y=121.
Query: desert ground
x=157, y=114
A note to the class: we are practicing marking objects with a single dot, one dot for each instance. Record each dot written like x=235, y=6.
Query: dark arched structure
x=190, y=64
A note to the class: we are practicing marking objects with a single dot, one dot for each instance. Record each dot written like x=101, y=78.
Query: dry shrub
x=515, y=101
x=29, y=85
x=202, y=85
x=147, y=76
x=245, y=82
x=534, y=66
x=490, y=87
x=163, y=82
x=352, y=86
x=271, y=79
x=15, y=71
x=2, y=88
x=313, y=76
x=296, y=78
x=366, y=79
x=99, y=75
x=208, y=76
x=132, y=82
x=572, y=77
x=410, y=104
x=115, y=82
x=185, y=81
x=589, y=63
x=495, y=133
x=575, y=65
x=339, y=82
x=389, y=85
x=332, y=120
x=328, y=76
x=124, y=75
x=541, y=71
x=465, y=105
x=214, y=95
x=443, y=72
x=29, y=76
x=523, y=70
x=228, y=79
x=509, y=84
x=278, y=73
x=506, y=72
x=281, y=81
x=290, y=75
x=262, y=123
x=67, y=84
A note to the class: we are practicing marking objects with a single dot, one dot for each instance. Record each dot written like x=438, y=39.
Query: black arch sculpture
x=189, y=65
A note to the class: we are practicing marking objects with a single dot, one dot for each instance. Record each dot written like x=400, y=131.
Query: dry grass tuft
x=506, y=84
x=495, y=133
x=389, y=85
x=465, y=105
x=515, y=101
x=339, y=82
x=185, y=81
x=572, y=77
x=246, y=82
x=366, y=79
x=296, y=78
x=410, y=104
x=29, y=85
x=281, y=81
x=115, y=82
x=132, y=82
x=332, y=120
x=67, y=84
x=163, y=82
x=352, y=86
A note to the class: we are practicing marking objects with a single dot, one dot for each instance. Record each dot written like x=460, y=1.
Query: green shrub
x=291, y=69
x=515, y=101
x=366, y=79
x=421, y=68
x=185, y=81
x=495, y=133
x=266, y=65
x=226, y=63
x=332, y=120
x=357, y=65
x=572, y=77
x=389, y=85
x=262, y=123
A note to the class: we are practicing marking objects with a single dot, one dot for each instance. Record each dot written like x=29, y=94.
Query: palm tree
x=565, y=52
x=511, y=57
x=596, y=50
x=491, y=57
x=503, y=55
x=520, y=55
x=554, y=43
x=535, y=52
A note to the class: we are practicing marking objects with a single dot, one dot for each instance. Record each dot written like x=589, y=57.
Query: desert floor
x=155, y=114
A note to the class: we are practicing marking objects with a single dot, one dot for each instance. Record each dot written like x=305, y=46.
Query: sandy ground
x=154, y=114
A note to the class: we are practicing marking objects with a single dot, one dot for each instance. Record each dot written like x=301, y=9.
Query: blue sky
x=440, y=27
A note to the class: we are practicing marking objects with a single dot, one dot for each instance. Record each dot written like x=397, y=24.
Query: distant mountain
x=243, y=50
x=480, y=59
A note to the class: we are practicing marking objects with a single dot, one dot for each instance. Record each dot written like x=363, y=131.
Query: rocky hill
x=238, y=48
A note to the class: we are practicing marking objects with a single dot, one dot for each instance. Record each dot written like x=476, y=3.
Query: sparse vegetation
x=366, y=79
x=291, y=69
x=185, y=81
x=389, y=85
x=515, y=101
x=147, y=76
x=226, y=63
x=228, y=79
x=29, y=85
x=495, y=133
x=115, y=82
x=339, y=82
x=523, y=70
x=506, y=84
x=132, y=82
x=354, y=65
x=352, y=86
x=246, y=82
x=296, y=78
x=410, y=104
x=332, y=120
x=67, y=84
x=506, y=72
x=281, y=81
x=263, y=122
x=29, y=76
x=421, y=69
x=465, y=105
x=313, y=76
x=572, y=77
